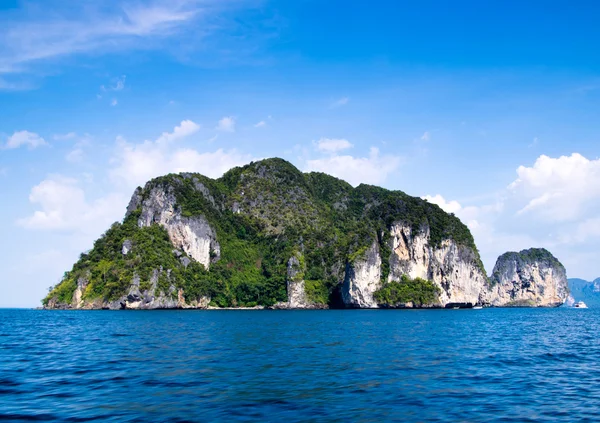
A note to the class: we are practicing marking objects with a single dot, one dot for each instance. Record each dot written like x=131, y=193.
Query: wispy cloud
x=50, y=30
x=260, y=124
x=339, y=103
x=226, y=124
x=65, y=137
x=426, y=136
x=77, y=153
x=117, y=84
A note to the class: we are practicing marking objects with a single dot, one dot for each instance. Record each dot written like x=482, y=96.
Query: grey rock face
x=295, y=283
x=297, y=298
x=127, y=245
x=185, y=261
x=82, y=284
x=135, y=202
x=194, y=235
x=362, y=279
x=452, y=267
x=531, y=277
x=201, y=188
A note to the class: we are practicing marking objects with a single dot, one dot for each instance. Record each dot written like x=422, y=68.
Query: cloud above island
x=372, y=169
x=552, y=203
x=332, y=145
x=559, y=189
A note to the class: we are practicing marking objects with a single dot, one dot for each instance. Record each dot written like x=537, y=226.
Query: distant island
x=586, y=291
x=268, y=235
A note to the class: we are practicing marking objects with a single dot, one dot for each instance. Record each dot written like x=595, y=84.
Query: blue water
x=357, y=365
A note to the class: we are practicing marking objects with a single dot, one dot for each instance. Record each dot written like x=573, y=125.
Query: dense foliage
x=419, y=292
x=262, y=213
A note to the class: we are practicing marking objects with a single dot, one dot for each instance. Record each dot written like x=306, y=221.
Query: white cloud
x=118, y=84
x=114, y=102
x=135, y=164
x=185, y=129
x=553, y=204
x=61, y=201
x=468, y=215
x=77, y=153
x=260, y=124
x=341, y=102
x=138, y=163
x=584, y=231
x=63, y=206
x=332, y=145
x=25, y=138
x=447, y=206
x=558, y=189
x=227, y=124
x=75, y=156
x=426, y=136
x=373, y=169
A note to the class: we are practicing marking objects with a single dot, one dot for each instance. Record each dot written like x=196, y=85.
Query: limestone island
x=267, y=235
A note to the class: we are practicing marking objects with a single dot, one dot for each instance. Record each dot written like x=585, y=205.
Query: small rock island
x=268, y=235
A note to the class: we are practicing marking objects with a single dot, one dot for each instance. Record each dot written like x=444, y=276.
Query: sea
x=490, y=365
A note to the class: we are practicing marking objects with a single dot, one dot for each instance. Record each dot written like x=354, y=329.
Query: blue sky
x=489, y=109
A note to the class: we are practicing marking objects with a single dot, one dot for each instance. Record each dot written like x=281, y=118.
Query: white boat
x=477, y=307
x=580, y=304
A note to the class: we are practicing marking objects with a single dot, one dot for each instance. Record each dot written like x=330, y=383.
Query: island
x=267, y=235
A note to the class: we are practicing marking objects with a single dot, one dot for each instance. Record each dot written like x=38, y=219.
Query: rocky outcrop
x=454, y=268
x=194, y=235
x=296, y=287
x=531, y=277
x=136, y=298
x=126, y=248
x=362, y=278
x=82, y=283
x=295, y=282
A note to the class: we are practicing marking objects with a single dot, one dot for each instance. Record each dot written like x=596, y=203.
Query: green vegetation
x=317, y=291
x=520, y=303
x=263, y=214
x=418, y=291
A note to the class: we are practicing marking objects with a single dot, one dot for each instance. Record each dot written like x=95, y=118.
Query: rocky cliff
x=531, y=277
x=268, y=235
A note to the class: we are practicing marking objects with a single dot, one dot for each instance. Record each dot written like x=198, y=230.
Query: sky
x=488, y=109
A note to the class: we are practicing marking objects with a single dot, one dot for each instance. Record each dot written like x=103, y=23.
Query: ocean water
x=357, y=365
